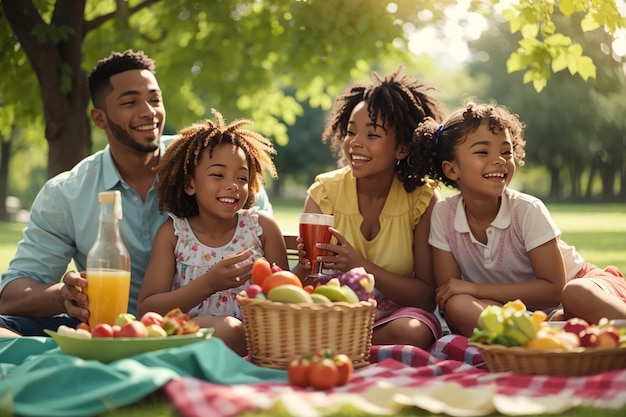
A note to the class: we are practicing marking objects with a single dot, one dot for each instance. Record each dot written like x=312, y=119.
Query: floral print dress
x=194, y=259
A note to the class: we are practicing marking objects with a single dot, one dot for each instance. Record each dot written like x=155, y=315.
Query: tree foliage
x=544, y=48
x=261, y=59
x=572, y=128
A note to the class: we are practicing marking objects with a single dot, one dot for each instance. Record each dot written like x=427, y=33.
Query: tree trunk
x=555, y=183
x=5, y=156
x=55, y=55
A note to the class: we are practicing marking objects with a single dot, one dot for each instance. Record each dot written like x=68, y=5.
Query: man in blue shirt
x=128, y=107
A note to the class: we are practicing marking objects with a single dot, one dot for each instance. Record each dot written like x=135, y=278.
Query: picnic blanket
x=207, y=378
x=449, y=378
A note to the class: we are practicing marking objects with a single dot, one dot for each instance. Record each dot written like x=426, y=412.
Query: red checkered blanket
x=451, y=377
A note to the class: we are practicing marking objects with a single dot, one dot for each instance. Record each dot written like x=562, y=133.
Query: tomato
x=297, y=371
x=261, y=269
x=323, y=373
x=345, y=368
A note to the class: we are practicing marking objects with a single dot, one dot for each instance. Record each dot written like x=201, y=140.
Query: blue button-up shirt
x=64, y=223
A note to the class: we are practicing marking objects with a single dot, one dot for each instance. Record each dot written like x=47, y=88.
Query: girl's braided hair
x=438, y=143
x=181, y=158
x=402, y=102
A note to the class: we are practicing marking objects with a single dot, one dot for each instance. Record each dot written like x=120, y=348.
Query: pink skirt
x=429, y=319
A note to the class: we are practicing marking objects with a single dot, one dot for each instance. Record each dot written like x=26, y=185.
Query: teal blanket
x=39, y=380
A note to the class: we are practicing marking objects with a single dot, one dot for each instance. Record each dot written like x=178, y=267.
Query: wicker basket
x=277, y=332
x=576, y=362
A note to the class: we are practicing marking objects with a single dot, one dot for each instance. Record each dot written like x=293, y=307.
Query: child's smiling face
x=484, y=162
x=220, y=183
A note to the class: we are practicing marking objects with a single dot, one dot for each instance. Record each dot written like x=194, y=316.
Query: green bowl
x=109, y=349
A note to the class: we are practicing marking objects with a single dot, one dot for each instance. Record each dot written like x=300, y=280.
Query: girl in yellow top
x=381, y=209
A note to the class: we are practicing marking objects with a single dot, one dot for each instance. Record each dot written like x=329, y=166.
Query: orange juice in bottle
x=108, y=265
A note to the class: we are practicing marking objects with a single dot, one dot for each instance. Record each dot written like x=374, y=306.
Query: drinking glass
x=315, y=228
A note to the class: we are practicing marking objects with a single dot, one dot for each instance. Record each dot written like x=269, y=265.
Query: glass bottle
x=108, y=265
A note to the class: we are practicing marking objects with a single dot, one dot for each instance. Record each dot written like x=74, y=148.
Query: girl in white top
x=492, y=244
x=201, y=258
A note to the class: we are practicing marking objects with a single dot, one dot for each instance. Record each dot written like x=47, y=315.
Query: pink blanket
x=449, y=360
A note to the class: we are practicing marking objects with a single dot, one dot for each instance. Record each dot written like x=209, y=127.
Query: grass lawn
x=597, y=231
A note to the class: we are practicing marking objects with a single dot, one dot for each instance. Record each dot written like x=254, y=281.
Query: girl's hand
x=227, y=274
x=452, y=287
x=302, y=259
x=345, y=256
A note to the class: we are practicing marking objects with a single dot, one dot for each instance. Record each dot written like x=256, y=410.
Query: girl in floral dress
x=202, y=257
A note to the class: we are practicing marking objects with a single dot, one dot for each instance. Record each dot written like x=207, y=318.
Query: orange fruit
x=280, y=278
x=261, y=269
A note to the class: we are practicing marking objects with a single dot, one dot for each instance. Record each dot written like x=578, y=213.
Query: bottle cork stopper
x=112, y=197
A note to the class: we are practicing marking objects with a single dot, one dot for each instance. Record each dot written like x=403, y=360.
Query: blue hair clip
x=438, y=135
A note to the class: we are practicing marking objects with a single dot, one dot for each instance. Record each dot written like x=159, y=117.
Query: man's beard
x=124, y=138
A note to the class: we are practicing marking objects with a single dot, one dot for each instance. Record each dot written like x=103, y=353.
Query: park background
x=281, y=63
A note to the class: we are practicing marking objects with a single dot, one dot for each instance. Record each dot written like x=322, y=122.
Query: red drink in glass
x=315, y=228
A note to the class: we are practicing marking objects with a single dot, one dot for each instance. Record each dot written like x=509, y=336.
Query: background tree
x=572, y=127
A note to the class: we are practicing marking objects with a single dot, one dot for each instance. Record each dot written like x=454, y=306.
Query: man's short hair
x=100, y=76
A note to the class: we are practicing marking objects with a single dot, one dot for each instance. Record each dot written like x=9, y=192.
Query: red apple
x=589, y=337
x=103, y=330
x=152, y=317
x=276, y=268
x=608, y=337
x=575, y=325
x=133, y=329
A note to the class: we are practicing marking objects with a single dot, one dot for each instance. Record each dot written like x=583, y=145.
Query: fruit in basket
x=253, y=290
x=333, y=292
x=553, y=340
x=261, y=269
x=280, y=278
x=519, y=327
x=319, y=298
x=575, y=325
x=509, y=325
x=589, y=337
x=359, y=281
x=288, y=293
x=609, y=336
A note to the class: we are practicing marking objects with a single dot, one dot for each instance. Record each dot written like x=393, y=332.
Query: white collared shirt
x=523, y=223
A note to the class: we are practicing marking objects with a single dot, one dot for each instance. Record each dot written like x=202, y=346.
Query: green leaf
x=586, y=68
x=559, y=62
x=516, y=62
x=589, y=23
x=530, y=30
x=567, y=7
x=558, y=39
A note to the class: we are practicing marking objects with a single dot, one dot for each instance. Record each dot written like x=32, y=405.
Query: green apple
x=154, y=330
x=124, y=318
